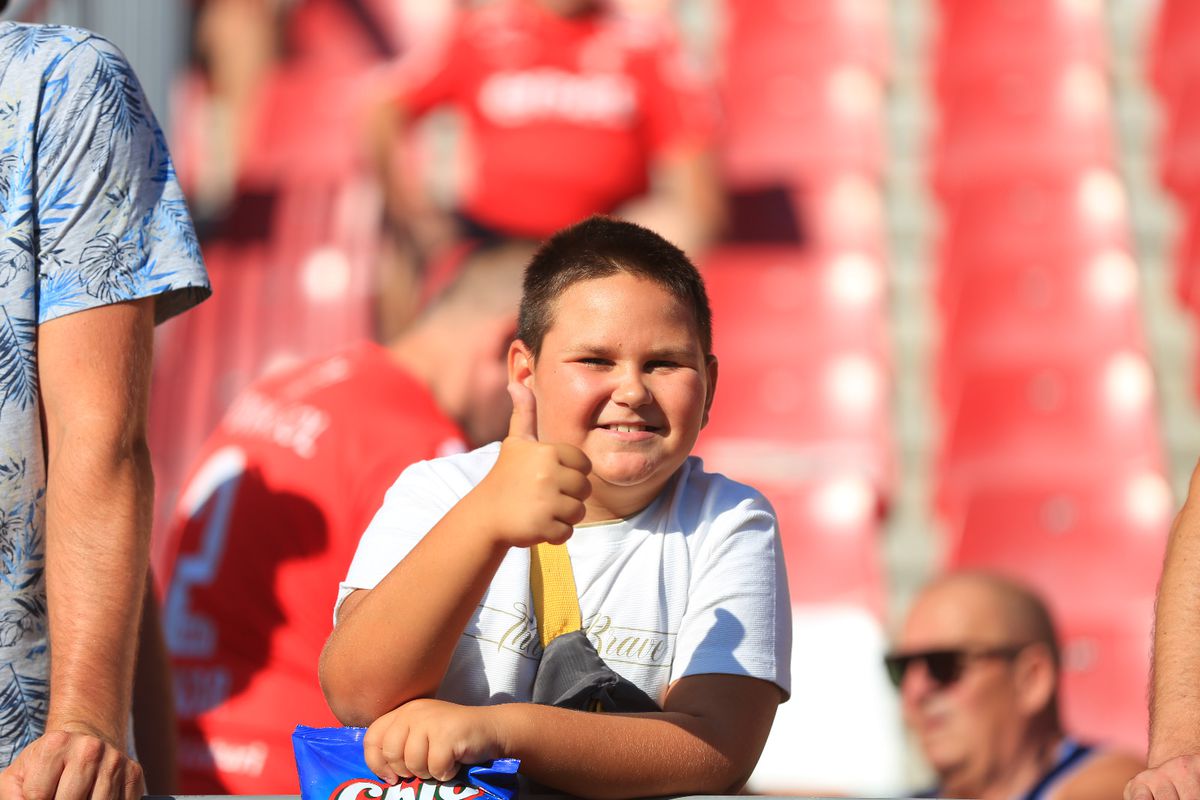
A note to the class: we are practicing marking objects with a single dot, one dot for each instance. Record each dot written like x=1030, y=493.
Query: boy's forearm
x=1175, y=696
x=396, y=644
x=617, y=755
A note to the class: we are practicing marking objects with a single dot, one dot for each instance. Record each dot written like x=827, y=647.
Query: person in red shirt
x=570, y=109
x=272, y=513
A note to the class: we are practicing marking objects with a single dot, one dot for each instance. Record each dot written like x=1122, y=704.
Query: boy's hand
x=535, y=491
x=431, y=739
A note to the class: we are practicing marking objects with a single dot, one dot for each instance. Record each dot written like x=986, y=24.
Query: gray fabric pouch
x=573, y=675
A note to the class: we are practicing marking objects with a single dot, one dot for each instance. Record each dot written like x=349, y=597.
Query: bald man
x=977, y=666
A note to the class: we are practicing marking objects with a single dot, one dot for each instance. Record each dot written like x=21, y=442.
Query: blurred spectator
x=1174, y=758
x=270, y=152
x=245, y=53
x=236, y=43
x=978, y=670
x=272, y=514
x=571, y=109
x=97, y=247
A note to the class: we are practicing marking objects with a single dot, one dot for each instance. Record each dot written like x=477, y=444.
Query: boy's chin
x=621, y=469
x=630, y=472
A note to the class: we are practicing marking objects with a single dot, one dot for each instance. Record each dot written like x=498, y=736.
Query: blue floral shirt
x=90, y=214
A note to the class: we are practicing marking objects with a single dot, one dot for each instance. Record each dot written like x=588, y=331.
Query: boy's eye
x=658, y=366
x=595, y=362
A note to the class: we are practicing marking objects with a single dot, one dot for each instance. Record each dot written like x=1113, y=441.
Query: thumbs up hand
x=535, y=491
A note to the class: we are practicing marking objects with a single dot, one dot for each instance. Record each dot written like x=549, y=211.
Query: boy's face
x=621, y=376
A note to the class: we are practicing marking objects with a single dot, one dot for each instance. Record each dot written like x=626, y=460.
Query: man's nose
x=917, y=682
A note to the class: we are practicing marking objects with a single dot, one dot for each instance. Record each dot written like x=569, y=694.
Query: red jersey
x=564, y=115
x=265, y=529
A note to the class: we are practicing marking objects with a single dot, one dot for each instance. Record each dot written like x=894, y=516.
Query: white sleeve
x=416, y=502
x=738, y=619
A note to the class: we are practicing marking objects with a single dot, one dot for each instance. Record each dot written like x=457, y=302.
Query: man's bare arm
x=1174, y=757
x=94, y=369
x=1175, y=688
x=686, y=203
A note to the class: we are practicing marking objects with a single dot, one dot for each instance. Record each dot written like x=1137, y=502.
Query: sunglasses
x=946, y=666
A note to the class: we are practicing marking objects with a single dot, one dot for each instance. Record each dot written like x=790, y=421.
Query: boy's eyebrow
x=655, y=354
x=671, y=354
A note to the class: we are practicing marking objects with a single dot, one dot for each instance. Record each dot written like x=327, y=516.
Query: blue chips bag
x=331, y=767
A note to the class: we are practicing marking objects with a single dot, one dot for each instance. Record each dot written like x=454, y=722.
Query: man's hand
x=431, y=739
x=72, y=765
x=535, y=491
x=1176, y=779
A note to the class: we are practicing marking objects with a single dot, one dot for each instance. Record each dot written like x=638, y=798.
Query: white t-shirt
x=693, y=584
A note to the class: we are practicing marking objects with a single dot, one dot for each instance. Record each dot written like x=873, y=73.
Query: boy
x=679, y=572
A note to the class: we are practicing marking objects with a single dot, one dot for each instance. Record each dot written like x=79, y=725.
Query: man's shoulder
x=1103, y=774
x=354, y=367
x=641, y=34
x=360, y=404
x=37, y=46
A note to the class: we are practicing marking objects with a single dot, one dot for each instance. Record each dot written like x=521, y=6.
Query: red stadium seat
x=809, y=32
x=1023, y=121
x=978, y=37
x=1091, y=542
x=1103, y=271
x=1179, y=153
x=830, y=529
x=1105, y=680
x=788, y=301
x=1046, y=415
x=786, y=123
x=803, y=414
x=1187, y=275
x=1005, y=311
x=803, y=370
x=1174, y=56
x=842, y=211
x=1019, y=217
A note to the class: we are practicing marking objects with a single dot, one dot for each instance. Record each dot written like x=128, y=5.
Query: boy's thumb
x=523, y=424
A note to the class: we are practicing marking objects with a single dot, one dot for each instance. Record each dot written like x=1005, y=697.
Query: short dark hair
x=599, y=247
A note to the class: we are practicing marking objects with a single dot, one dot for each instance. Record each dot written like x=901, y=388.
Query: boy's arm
x=706, y=740
x=392, y=644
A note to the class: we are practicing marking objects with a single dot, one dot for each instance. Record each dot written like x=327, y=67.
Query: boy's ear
x=710, y=364
x=520, y=363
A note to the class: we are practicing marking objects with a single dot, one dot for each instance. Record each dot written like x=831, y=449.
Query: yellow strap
x=552, y=581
